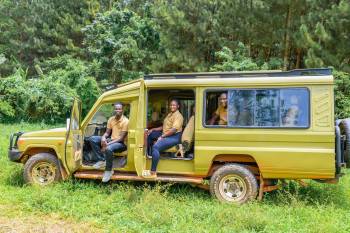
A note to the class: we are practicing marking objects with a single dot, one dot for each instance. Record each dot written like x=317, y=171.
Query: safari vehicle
x=280, y=125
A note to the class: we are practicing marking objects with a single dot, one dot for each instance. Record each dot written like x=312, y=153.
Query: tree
x=325, y=32
x=32, y=31
x=122, y=43
x=238, y=61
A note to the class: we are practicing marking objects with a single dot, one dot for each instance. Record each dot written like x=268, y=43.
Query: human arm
x=121, y=138
x=123, y=133
x=213, y=119
x=160, y=128
x=104, y=137
x=176, y=127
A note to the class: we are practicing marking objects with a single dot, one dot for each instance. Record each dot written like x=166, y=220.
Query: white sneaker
x=99, y=165
x=148, y=175
x=107, y=175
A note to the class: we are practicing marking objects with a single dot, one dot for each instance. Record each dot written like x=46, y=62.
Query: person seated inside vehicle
x=221, y=112
x=112, y=141
x=291, y=117
x=166, y=136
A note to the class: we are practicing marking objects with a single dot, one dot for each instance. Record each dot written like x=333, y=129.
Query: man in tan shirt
x=113, y=140
x=166, y=136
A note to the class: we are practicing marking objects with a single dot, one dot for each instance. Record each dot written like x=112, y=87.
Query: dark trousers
x=95, y=142
x=159, y=146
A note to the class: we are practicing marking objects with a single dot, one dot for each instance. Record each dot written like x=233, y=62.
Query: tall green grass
x=142, y=207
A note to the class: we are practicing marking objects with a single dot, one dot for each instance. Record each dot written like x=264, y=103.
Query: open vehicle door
x=140, y=147
x=74, y=139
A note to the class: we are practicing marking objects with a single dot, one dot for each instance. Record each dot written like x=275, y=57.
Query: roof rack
x=269, y=73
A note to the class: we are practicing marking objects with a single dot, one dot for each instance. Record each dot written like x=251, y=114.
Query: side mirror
x=67, y=123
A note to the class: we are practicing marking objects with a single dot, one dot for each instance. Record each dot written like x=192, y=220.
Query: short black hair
x=118, y=103
x=176, y=100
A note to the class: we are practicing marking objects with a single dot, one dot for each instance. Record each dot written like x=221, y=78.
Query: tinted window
x=294, y=104
x=258, y=108
x=241, y=107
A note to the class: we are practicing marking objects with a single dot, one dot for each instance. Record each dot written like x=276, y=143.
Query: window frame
x=205, y=92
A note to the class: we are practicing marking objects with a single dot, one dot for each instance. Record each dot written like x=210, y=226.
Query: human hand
x=104, y=143
x=103, y=147
x=160, y=138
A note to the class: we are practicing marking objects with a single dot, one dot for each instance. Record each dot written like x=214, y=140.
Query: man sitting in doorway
x=221, y=111
x=166, y=136
x=113, y=140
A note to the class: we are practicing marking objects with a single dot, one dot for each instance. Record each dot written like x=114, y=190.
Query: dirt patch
x=40, y=223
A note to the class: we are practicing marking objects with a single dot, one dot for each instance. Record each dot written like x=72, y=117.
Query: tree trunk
x=297, y=63
x=287, y=37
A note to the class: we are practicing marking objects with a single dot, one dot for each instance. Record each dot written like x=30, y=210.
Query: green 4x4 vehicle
x=280, y=125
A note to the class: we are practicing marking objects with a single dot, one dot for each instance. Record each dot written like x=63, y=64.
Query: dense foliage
x=48, y=97
x=122, y=43
x=52, y=50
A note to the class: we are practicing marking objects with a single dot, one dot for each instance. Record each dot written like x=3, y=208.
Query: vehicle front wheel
x=42, y=169
x=233, y=183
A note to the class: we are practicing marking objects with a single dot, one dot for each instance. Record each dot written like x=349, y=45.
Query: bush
x=48, y=100
x=13, y=96
x=342, y=94
x=33, y=99
x=75, y=74
x=49, y=97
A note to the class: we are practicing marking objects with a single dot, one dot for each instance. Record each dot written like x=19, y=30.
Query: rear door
x=140, y=147
x=74, y=139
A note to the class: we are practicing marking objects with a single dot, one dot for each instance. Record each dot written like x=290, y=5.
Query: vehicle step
x=133, y=177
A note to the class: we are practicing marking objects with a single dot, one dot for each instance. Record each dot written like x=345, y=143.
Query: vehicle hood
x=57, y=132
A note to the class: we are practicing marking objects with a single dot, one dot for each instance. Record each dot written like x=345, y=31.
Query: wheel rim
x=44, y=173
x=232, y=188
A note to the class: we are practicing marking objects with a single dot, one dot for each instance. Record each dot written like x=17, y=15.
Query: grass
x=139, y=207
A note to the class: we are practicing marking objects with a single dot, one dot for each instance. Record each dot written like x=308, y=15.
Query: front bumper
x=14, y=154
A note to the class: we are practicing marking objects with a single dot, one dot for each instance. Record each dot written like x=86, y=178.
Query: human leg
x=151, y=138
x=95, y=143
x=163, y=144
x=110, y=150
x=115, y=147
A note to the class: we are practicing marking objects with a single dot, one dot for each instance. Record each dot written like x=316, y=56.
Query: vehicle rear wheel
x=233, y=183
x=345, y=130
x=42, y=169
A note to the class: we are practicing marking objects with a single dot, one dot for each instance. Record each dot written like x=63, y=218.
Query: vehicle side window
x=260, y=108
x=102, y=115
x=241, y=107
x=294, y=104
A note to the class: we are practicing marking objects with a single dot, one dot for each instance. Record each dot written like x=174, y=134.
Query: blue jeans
x=162, y=145
x=95, y=142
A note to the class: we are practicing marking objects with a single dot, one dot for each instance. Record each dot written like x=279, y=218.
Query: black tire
x=345, y=130
x=243, y=184
x=42, y=169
